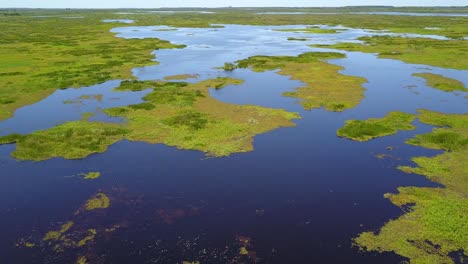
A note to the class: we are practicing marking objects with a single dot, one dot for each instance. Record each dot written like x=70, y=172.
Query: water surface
x=300, y=196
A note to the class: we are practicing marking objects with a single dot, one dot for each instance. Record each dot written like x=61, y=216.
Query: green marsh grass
x=324, y=86
x=442, y=83
x=364, y=130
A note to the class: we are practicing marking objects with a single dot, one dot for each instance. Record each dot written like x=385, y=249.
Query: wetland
x=230, y=135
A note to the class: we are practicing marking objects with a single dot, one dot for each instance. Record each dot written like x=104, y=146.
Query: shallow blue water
x=300, y=196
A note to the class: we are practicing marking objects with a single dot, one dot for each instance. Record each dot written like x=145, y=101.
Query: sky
x=219, y=3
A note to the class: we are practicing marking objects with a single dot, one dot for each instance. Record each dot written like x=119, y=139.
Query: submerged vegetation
x=364, y=130
x=442, y=83
x=436, y=224
x=440, y=53
x=324, y=85
x=175, y=113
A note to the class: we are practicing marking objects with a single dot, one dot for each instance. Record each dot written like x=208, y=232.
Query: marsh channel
x=299, y=197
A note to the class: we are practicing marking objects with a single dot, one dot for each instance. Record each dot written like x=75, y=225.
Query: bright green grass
x=437, y=221
x=441, y=82
x=176, y=114
x=324, y=86
x=441, y=53
x=364, y=130
x=70, y=140
x=434, y=227
x=38, y=56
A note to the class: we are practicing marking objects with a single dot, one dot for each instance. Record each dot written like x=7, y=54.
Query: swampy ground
x=230, y=135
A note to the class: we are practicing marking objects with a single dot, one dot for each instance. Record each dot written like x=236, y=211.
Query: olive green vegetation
x=175, y=113
x=81, y=260
x=364, y=130
x=243, y=251
x=70, y=140
x=90, y=237
x=100, y=201
x=441, y=82
x=439, y=53
x=297, y=39
x=309, y=30
x=324, y=85
x=452, y=27
x=229, y=66
x=91, y=175
x=79, y=232
x=38, y=56
x=181, y=77
x=87, y=115
x=56, y=234
x=436, y=224
x=184, y=115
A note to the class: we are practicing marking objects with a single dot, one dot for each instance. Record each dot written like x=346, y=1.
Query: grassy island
x=436, y=223
x=324, y=86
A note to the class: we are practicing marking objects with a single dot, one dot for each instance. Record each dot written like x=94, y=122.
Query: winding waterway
x=300, y=196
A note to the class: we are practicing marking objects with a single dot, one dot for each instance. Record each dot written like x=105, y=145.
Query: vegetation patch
x=434, y=227
x=324, y=85
x=364, y=130
x=442, y=83
x=181, y=77
x=39, y=56
x=100, y=201
x=56, y=234
x=71, y=140
x=176, y=114
x=436, y=224
x=297, y=39
x=91, y=175
x=229, y=66
x=187, y=117
x=439, y=53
